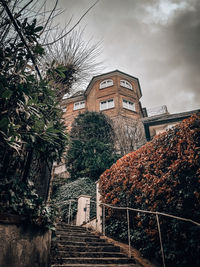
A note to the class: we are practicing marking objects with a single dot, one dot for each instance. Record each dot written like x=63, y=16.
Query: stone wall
x=22, y=245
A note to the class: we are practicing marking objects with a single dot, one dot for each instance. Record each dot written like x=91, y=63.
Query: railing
x=70, y=219
x=157, y=214
x=87, y=212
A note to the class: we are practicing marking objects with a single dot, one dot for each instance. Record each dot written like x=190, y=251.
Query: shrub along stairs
x=75, y=246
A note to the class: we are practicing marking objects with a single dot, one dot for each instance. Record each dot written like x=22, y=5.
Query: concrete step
x=71, y=229
x=103, y=248
x=97, y=265
x=76, y=247
x=88, y=254
x=79, y=238
x=105, y=260
x=73, y=233
x=95, y=243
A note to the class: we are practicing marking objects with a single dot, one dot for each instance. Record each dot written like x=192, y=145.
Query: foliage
x=30, y=124
x=28, y=106
x=91, y=150
x=32, y=135
x=21, y=199
x=163, y=175
x=72, y=190
x=57, y=183
x=71, y=62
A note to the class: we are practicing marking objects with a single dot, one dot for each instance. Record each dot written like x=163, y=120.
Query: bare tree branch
x=75, y=25
x=77, y=57
x=21, y=36
x=53, y=10
x=129, y=134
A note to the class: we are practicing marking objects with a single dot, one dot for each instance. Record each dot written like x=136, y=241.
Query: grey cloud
x=164, y=56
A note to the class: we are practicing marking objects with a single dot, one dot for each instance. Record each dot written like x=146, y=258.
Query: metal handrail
x=156, y=213
x=152, y=212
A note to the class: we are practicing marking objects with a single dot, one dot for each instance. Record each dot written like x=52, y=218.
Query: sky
x=157, y=41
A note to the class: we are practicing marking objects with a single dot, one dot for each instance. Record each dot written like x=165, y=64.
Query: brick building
x=118, y=95
x=115, y=93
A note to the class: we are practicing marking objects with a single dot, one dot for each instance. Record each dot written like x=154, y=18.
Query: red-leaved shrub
x=163, y=175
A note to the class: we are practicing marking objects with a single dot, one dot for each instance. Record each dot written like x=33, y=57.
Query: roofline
x=164, y=118
x=73, y=98
x=110, y=72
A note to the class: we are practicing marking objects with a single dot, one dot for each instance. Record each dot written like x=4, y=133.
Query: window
x=107, y=104
x=126, y=84
x=128, y=105
x=79, y=105
x=106, y=83
x=64, y=109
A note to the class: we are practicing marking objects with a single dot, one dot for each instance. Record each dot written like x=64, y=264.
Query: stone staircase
x=74, y=246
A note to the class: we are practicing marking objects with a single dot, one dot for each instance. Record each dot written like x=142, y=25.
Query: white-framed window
x=64, y=109
x=107, y=104
x=128, y=105
x=126, y=84
x=79, y=105
x=106, y=83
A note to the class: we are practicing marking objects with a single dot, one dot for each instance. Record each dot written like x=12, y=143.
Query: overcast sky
x=157, y=41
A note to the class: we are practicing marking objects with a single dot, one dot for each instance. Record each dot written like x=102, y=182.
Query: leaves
x=91, y=150
x=163, y=175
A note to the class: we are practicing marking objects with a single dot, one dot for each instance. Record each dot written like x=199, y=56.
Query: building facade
x=115, y=93
x=118, y=95
x=160, y=123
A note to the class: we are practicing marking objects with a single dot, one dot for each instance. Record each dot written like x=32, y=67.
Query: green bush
x=72, y=190
x=91, y=150
x=21, y=199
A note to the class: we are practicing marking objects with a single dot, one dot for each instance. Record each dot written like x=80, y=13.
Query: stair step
x=70, y=233
x=79, y=238
x=72, y=227
x=85, y=254
x=97, y=265
x=75, y=246
x=84, y=244
x=105, y=248
x=73, y=230
x=105, y=260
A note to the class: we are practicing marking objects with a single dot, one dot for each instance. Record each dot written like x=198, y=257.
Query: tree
x=68, y=60
x=164, y=176
x=91, y=150
x=129, y=134
x=32, y=134
x=31, y=131
x=72, y=62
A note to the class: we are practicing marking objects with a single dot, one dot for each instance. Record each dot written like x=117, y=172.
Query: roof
x=164, y=118
x=81, y=94
x=78, y=93
x=96, y=78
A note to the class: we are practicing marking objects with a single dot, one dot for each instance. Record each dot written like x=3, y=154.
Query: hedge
x=163, y=175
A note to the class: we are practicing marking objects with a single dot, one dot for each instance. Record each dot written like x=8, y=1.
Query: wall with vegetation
x=23, y=245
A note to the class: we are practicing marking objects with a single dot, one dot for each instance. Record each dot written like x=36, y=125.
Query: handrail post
x=69, y=212
x=129, y=234
x=160, y=237
x=104, y=230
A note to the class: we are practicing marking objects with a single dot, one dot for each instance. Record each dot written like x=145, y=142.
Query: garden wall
x=23, y=245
